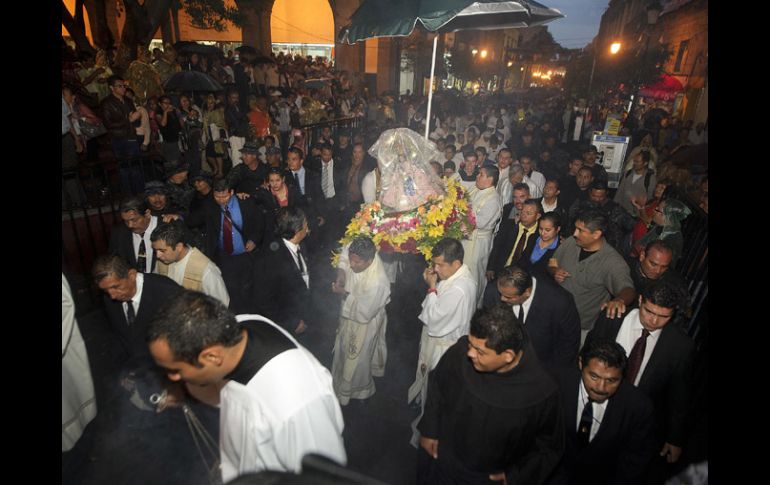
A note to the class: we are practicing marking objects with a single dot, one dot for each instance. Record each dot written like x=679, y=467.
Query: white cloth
x=369, y=187
x=78, y=401
x=286, y=410
x=536, y=182
x=213, y=284
x=360, y=350
x=327, y=179
x=487, y=209
x=297, y=255
x=629, y=332
x=492, y=152
x=236, y=143
x=137, y=239
x=549, y=208
x=504, y=187
x=598, y=411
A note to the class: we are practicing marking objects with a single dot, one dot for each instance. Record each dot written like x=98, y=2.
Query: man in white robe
x=485, y=204
x=78, y=401
x=504, y=186
x=360, y=350
x=276, y=400
x=446, y=315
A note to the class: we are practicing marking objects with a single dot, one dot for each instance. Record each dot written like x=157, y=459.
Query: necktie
x=227, y=232
x=130, y=315
x=141, y=257
x=521, y=314
x=516, y=254
x=586, y=420
x=299, y=261
x=325, y=186
x=636, y=356
x=296, y=181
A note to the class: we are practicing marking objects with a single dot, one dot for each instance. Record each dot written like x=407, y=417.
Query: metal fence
x=353, y=126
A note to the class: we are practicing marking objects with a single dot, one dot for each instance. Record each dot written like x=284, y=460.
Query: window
x=681, y=56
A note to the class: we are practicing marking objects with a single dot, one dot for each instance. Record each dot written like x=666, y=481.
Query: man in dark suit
x=331, y=196
x=282, y=268
x=131, y=299
x=660, y=363
x=608, y=422
x=131, y=240
x=234, y=230
x=515, y=239
x=546, y=310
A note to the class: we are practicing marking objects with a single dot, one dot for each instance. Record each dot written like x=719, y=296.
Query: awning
x=666, y=88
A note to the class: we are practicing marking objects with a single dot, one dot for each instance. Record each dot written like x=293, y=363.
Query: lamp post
x=653, y=12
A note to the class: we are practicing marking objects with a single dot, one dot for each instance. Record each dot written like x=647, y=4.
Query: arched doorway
x=304, y=27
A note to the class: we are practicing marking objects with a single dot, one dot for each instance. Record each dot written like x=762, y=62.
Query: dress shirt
x=598, y=409
x=137, y=298
x=629, y=333
x=137, y=240
x=527, y=303
x=327, y=178
x=297, y=255
x=301, y=175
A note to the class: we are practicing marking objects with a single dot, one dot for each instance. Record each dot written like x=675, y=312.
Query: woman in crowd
x=646, y=210
x=213, y=135
x=667, y=226
x=547, y=241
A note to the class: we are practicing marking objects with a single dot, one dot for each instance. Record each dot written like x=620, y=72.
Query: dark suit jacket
x=327, y=207
x=156, y=290
x=553, y=324
x=122, y=244
x=667, y=379
x=621, y=449
x=253, y=228
x=279, y=290
x=504, y=241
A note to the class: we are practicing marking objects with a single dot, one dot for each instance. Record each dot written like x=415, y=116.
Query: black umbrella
x=247, y=49
x=187, y=47
x=192, y=81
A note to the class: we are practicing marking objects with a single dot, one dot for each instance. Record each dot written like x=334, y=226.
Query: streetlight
x=484, y=54
x=614, y=49
x=475, y=51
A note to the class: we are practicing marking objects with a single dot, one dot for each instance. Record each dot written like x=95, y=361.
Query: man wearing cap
x=273, y=157
x=155, y=194
x=178, y=189
x=247, y=177
x=590, y=155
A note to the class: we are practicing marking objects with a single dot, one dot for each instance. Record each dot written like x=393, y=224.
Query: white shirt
x=327, y=178
x=504, y=187
x=369, y=187
x=549, y=208
x=137, y=239
x=598, y=411
x=527, y=303
x=213, y=284
x=137, y=298
x=629, y=333
x=536, y=182
x=297, y=255
x=448, y=311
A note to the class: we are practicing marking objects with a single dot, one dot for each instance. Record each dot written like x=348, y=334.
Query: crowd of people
x=561, y=316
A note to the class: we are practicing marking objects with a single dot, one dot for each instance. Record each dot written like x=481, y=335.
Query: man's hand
x=671, y=452
x=496, y=477
x=301, y=327
x=250, y=246
x=490, y=275
x=614, y=308
x=430, y=446
x=430, y=277
x=560, y=275
x=170, y=217
x=79, y=145
x=242, y=195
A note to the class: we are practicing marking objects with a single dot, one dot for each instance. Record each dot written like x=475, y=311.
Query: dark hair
x=586, y=168
x=276, y=170
x=552, y=216
x=599, y=185
x=108, y=264
x=611, y=353
x=481, y=149
x=363, y=247
x=221, y=185
x=556, y=181
x=191, y=322
x=492, y=171
x=270, y=137
x=454, y=148
x=536, y=204
x=594, y=220
x=470, y=153
x=500, y=327
x=660, y=245
x=663, y=293
x=172, y=233
x=450, y=164
x=289, y=221
x=134, y=203
x=113, y=79
x=296, y=150
x=451, y=139
x=450, y=249
x=326, y=146
x=507, y=150
x=521, y=186
x=516, y=277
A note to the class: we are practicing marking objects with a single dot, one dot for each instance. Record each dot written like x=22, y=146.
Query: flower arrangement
x=417, y=230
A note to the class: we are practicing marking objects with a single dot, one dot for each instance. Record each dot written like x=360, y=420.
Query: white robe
x=504, y=187
x=360, y=350
x=212, y=284
x=78, y=401
x=446, y=316
x=286, y=410
x=486, y=207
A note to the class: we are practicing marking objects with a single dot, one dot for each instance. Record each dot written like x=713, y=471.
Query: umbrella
x=392, y=18
x=192, y=81
x=247, y=49
x=187, y=47
x=666, y=88
x=316, y=83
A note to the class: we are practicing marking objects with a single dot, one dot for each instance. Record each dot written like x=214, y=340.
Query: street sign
x=612, y=150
